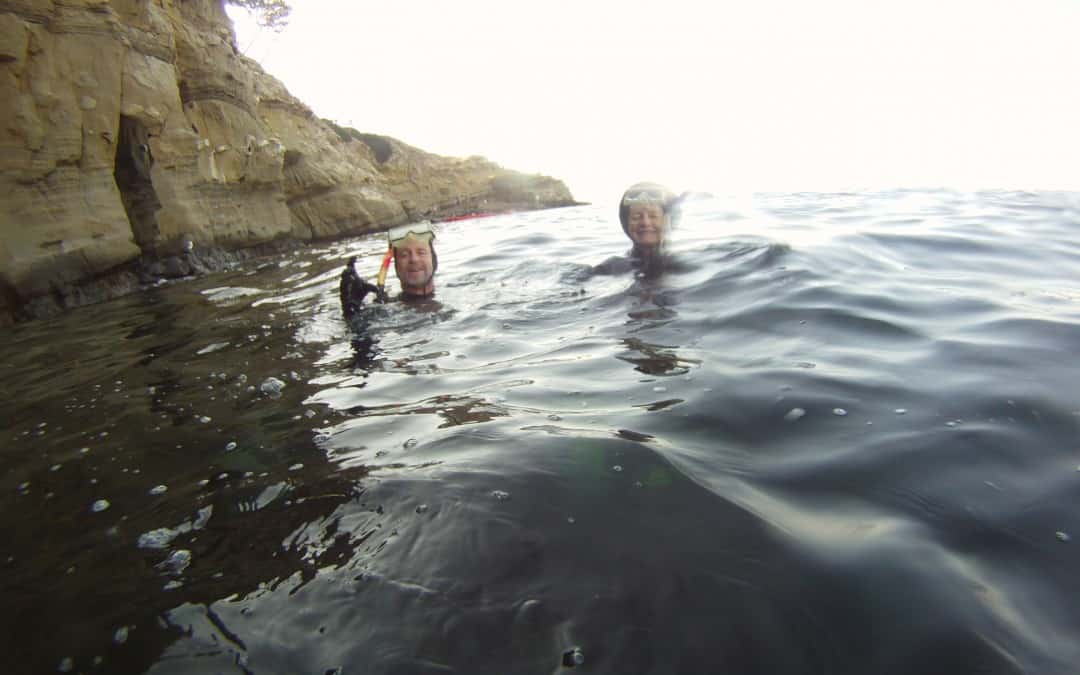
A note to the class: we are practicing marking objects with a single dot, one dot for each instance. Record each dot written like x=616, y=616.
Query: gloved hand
x=353, y=289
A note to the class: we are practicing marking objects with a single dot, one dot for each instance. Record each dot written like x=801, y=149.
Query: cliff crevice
x=135, y=132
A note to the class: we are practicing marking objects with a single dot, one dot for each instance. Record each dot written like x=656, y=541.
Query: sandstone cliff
x=134, y=132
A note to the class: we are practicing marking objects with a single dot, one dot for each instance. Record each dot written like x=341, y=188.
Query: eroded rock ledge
x=139, y=143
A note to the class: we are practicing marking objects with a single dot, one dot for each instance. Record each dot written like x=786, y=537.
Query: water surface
x=840, y=437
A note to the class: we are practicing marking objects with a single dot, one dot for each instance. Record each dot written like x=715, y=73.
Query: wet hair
x=650, y=193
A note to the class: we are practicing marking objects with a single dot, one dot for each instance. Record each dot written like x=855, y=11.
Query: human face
x=413, y=266
x=646, y=223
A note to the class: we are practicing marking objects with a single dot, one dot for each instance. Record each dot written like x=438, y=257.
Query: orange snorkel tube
x=381, y=279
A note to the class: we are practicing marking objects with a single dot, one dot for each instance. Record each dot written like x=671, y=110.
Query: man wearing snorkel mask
x=412, y=249
x=415, y=261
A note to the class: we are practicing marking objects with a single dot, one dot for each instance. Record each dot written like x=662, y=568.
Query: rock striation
x=138, y=142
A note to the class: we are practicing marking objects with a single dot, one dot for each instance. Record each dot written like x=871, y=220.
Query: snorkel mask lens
x=419, y=231
x=645, y=196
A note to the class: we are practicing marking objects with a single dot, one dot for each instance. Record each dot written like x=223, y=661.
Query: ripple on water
x=849, y=419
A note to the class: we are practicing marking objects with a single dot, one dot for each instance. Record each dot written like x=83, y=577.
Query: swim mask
x=420, y=231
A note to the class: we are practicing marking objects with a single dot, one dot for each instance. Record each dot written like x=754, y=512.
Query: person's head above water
x=415, y=261
x=645, y=214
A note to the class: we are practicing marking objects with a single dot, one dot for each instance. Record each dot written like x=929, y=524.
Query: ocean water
x=840, y=435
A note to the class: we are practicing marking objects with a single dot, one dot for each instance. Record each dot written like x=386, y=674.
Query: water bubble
x=900, y=411
x=422, y=508
x=617, y=468
x=55, y=467
x=950, y=423
x=23, y=487
x=1062, y=536
x=158, y=490
x=204, y=419
x=309, y=414
x=202, y=517
x=177, y=562
x=839, y=412
x=573, y=657
x=659, y=390
x=203, y=483
x=500, y=495
x=157, y=539
x=272, y=385
x=794, y=415
x=121, y=635
x=230, y=446
x=67, y=664
x=411, y=443
x=296, y=467
x=99, y=506
x=555, y=418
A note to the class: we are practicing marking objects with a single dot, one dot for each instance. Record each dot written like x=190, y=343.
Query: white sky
x=718, y=96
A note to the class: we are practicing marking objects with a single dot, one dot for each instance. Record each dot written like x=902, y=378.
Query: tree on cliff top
x=273, y=14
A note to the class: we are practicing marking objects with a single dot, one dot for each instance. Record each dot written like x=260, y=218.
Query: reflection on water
x=837, y=435
x=655, y=359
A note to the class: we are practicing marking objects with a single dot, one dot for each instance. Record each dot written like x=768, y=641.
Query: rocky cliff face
x=135, y=132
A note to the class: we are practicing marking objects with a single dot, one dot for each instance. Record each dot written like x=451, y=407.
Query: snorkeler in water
x=412, y=249
x=647, y=213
